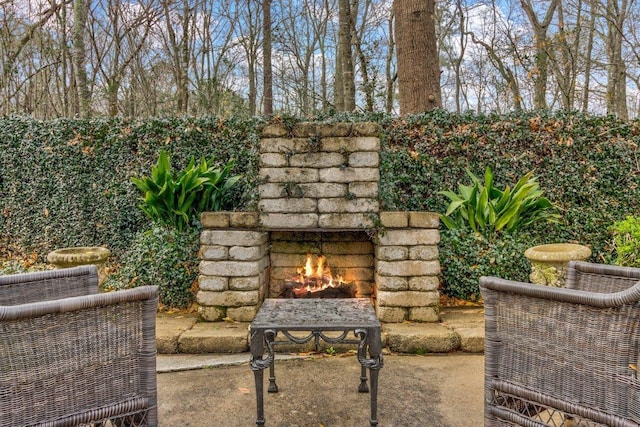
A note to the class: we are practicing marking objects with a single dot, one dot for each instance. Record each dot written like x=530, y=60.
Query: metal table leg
x=370, y=342
x=363, y=387
x=273, y=387
x=258, y=364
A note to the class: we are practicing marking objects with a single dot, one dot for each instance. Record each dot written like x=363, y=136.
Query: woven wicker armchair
x=85, y=360
x=563, y=356
x=48, y=285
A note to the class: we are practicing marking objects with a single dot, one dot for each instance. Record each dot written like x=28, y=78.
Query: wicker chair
x=563, y=356
x=84, y=360
x=48, y=285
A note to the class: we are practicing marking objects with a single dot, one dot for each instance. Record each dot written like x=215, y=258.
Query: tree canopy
x=141, y=58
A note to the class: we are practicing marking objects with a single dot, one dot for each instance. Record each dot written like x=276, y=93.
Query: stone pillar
x=234, y=266
x=407, y=267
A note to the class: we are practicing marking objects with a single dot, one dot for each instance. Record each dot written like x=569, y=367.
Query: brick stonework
x=348, y=254
x=234, y=266
x=407, y=267
x=319, y=195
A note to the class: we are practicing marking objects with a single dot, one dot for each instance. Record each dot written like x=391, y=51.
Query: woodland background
x=148, y=58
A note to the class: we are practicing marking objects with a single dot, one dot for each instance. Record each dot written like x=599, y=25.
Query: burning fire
x=313, y=279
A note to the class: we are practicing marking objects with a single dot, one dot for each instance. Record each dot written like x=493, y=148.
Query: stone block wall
x=234, y=266
x=319, y=176
x=407, y=267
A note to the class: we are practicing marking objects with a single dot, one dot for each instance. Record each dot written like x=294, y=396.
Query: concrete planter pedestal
x=82, y=255
x=549, y=262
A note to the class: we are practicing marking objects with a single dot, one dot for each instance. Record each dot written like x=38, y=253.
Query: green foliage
x=164, y=257
x=465, y=256
x=178, y=201
x=67, y=182
x=17, y=267
x=486, y=209
x=586, y=165
x=626, y=235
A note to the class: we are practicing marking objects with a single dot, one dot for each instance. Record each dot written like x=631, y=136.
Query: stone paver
x=420, y=338
x=468, y=323
x=460, y=329
x=215, y=337
x=169, y=328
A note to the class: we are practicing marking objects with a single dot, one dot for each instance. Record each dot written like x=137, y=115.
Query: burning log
x=317, y=283
x=295, y=290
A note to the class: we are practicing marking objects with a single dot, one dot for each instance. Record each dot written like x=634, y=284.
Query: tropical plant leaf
x=487, y=209
x=177, y=202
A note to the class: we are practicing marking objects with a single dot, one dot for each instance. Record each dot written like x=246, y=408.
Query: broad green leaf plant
x=175, y=201
x=486, y=209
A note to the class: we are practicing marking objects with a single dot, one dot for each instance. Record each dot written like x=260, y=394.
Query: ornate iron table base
x=316, y=316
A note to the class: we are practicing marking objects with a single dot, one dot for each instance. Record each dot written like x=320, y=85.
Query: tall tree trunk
x=253, y=90
x=418, y=62
x=113, y=78
x=338, y=86
x=322, y=38
x=458, y=61
x=617, y=72
x=346, y=55
x=563, y=59
x=323, y=76
x=541, y=72
x=588, y=54
x=266, y=59
x=183, y=102
x=179, y=68
x=79, y=24
x=64, y=66
x=391, y=76
x=368, y=82
x=575, y=53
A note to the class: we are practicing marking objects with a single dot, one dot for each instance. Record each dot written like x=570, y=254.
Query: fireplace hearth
x=318, y=204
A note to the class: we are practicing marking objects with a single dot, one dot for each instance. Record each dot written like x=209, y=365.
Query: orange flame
x=313, y=279
x=319, y=277
x=320, y=269
x=308, y=268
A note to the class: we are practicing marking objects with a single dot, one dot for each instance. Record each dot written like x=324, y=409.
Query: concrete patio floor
x=435, y=390
x=204, y=379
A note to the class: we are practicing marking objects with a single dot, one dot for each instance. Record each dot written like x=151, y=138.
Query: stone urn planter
x=82, y=255
x=549, y=262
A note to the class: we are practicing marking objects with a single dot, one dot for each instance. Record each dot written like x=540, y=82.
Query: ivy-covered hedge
x=67, y=182
x=588, y=166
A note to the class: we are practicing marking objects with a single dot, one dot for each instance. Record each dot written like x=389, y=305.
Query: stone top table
x=316, y=316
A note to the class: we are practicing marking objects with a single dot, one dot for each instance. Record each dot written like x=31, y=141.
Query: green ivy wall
x=67, y=182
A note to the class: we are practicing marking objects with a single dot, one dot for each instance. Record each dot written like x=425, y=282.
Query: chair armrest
x=87, y=359
x=627, y=296
x=48, y=285
x=562, y=345
x=601, y=278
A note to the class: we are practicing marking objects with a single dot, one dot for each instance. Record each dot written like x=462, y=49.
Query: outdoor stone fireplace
x=318, y=199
